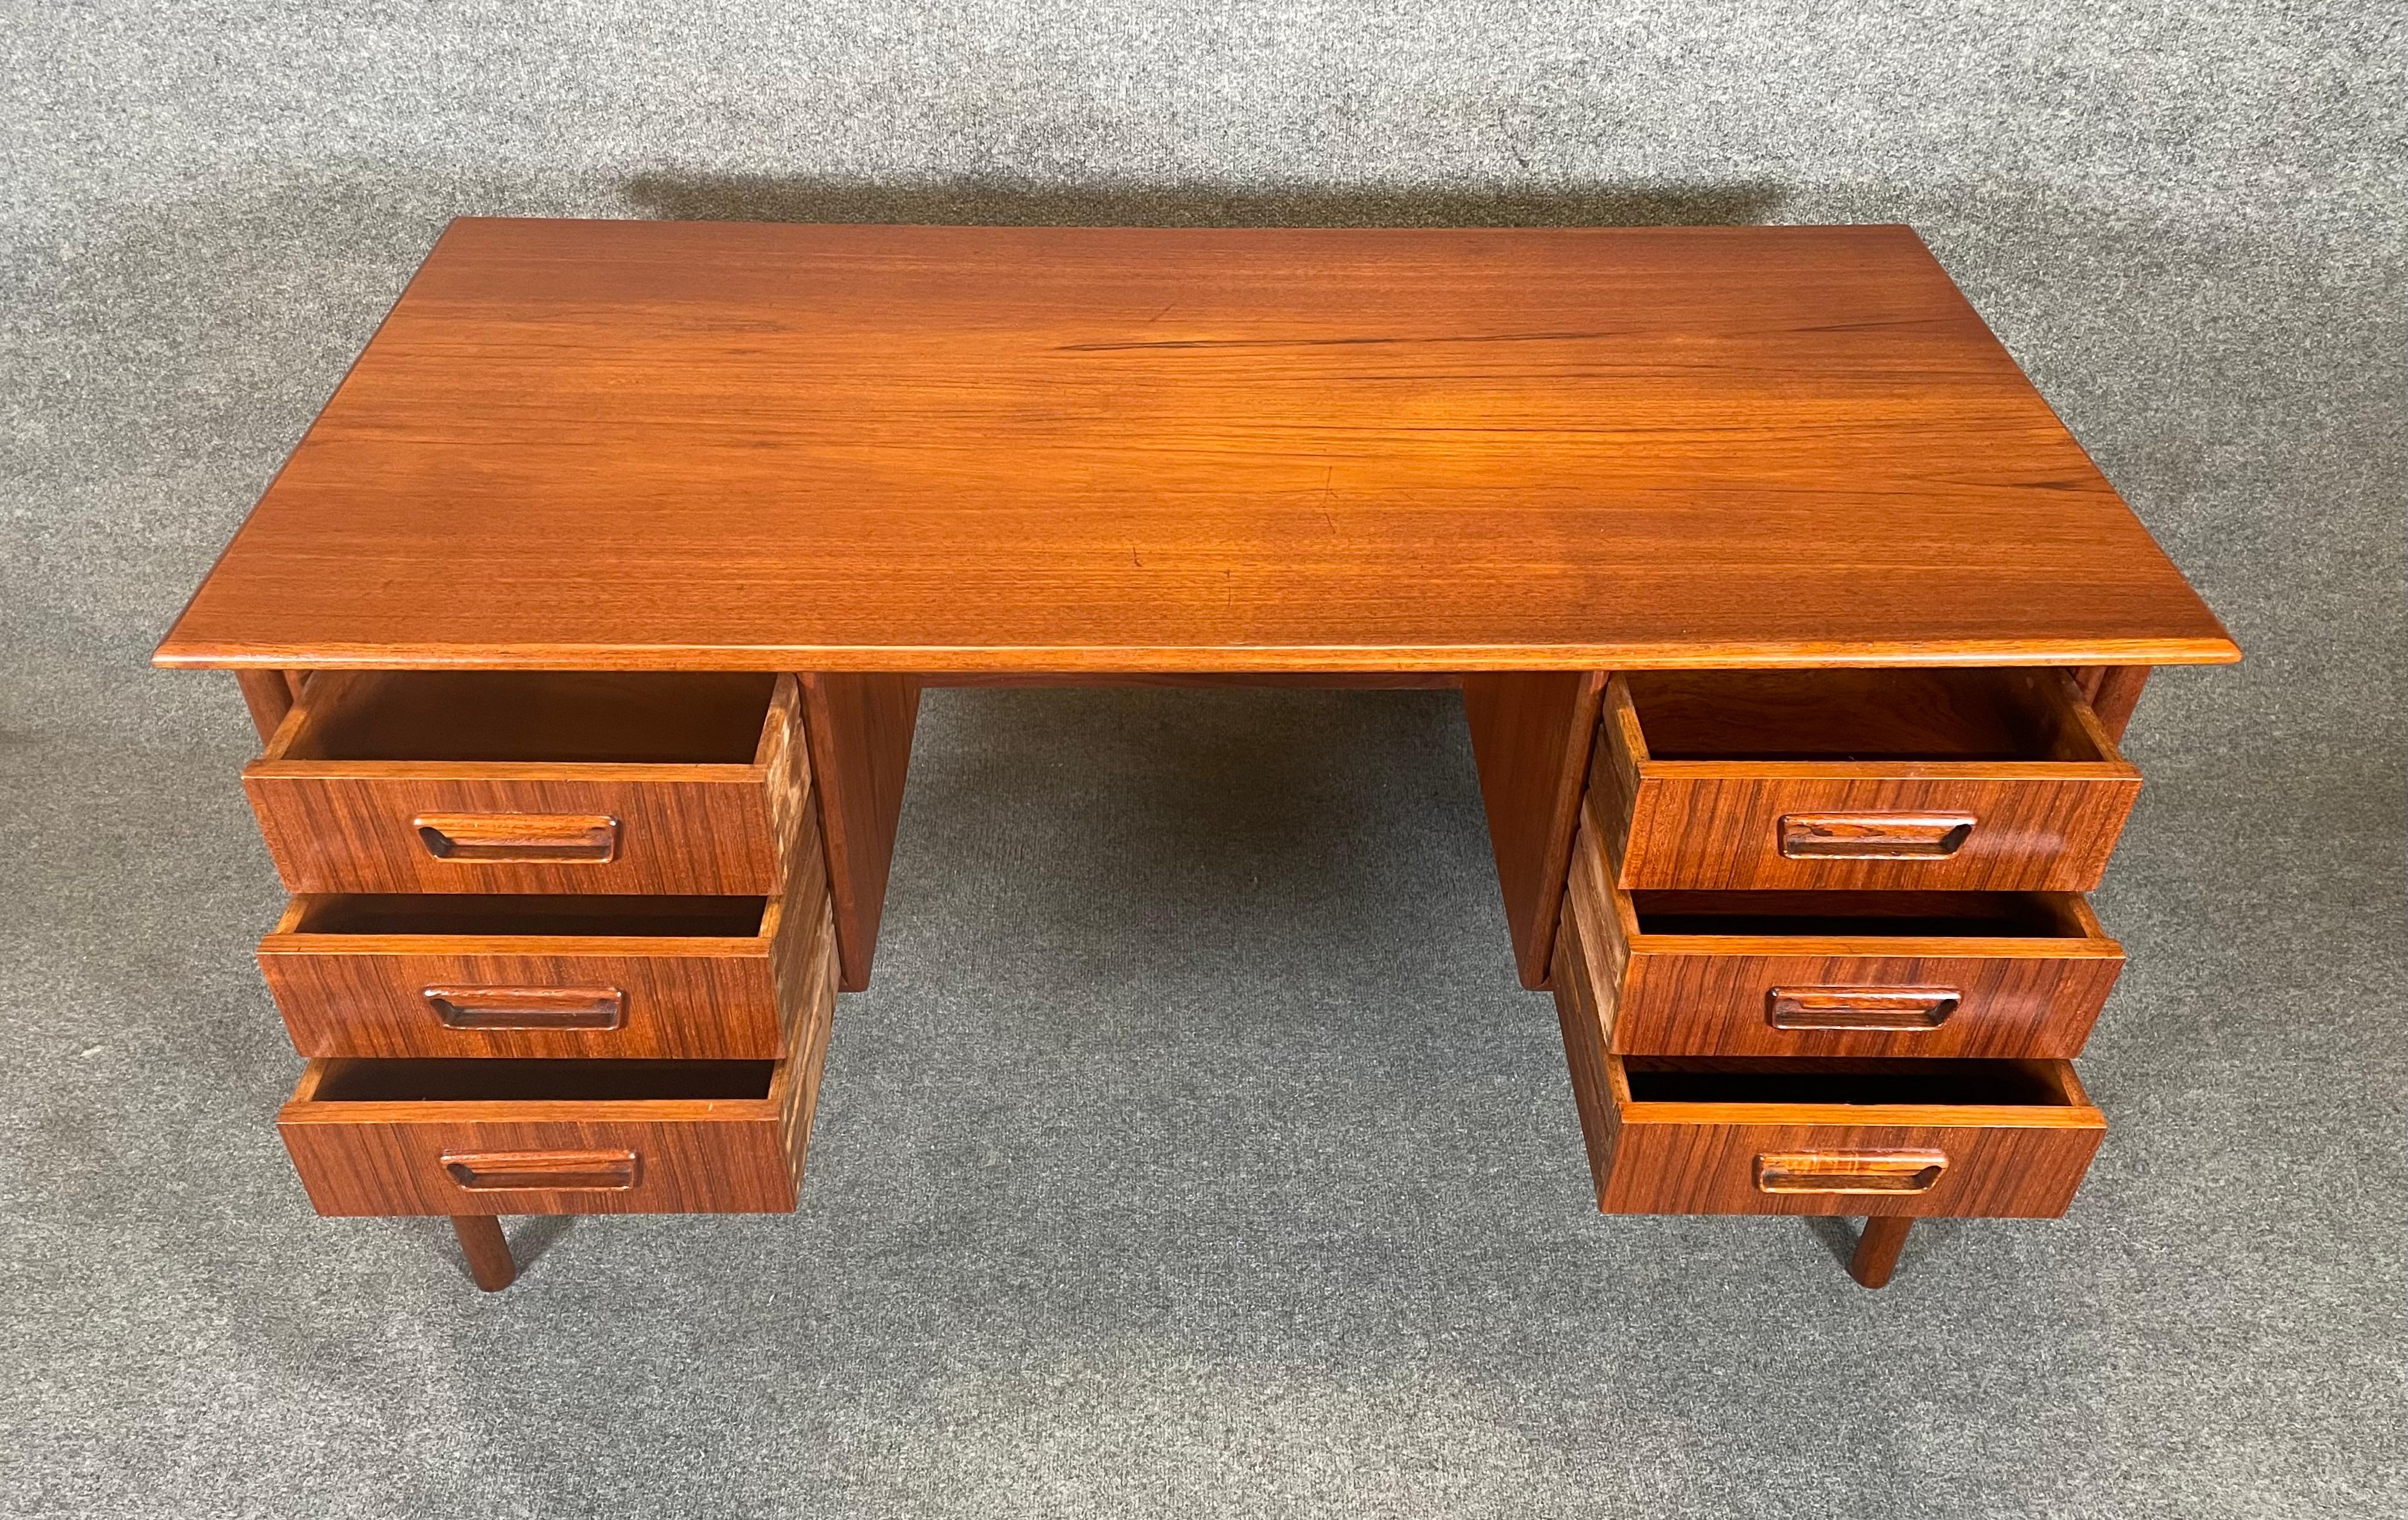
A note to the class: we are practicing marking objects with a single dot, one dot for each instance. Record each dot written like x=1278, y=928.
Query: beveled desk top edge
x=174, y=654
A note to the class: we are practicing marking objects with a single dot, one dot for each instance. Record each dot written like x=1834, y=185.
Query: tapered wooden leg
x=488, y=1252
x=1877, y=1250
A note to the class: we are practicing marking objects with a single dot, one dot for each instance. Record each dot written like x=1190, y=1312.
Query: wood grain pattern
x=2029, y=982
x=2043, y=824
x=591, y=445
x=686, y=995
x=343, y=824
x=2022, y=1160
x=740, y=1153
x=1531, y=732
x=860, y=730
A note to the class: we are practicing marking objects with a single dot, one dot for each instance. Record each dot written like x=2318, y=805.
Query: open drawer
x=1834, y=974
x=1993, y=779
x=534, y=781
x=1685, y=1134
x=669, y=978
x=465, y=1137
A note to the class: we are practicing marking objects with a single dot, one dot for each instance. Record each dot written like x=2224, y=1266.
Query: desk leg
x=1877, y=1250
x=488, y=1252
x=859, y=728
x=269, y=695
x=1531, y=735
x=2114, y=692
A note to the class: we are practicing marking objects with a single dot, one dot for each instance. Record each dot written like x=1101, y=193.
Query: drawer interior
x=594, y=717
x=1736, y=1079
x=489, y=914
x=1863, y=715
x=2020, y=916
x=346, y=1080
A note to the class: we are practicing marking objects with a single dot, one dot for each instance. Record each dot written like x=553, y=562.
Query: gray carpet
x=1196, y=1152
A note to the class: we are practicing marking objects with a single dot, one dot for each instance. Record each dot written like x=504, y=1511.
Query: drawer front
x=1802, y=833
x=500, y=1165
x=1722, y=1003
x=374, y=833
x=2008, y=1171
x=722, y=1006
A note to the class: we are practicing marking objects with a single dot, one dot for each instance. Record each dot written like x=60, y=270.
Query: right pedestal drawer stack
x=1823, y=949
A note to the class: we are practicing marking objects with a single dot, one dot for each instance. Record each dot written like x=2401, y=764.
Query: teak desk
x=586, y=626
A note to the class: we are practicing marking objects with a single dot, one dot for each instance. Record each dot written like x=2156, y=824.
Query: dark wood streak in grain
x=1331, y=343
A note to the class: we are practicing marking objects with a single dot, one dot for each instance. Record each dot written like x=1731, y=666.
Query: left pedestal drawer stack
x=559, y=943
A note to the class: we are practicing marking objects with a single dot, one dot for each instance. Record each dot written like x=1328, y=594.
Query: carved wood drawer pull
x=1873, y=836
x=1888, y=1008
x=585, y=1171
x=518, y=837
x=529, y=1007
x=1849, y=1172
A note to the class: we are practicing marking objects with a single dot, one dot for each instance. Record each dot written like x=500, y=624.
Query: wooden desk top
x=690, y=444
